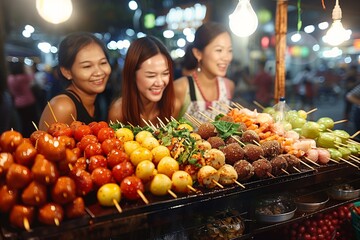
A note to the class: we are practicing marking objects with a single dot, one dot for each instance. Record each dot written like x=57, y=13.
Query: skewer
x=26, y=224
x=309, y=160
x=354, y=159
x=306, y=164
x=72, y=116
x=284, y=171
x=259, y=105
x=225, y=105
x=172, y=193
x=162, y=124
x=311, y=111
x=340, y=121
x=235, y=181
x=191, y=188
x=89, y=212
x=141, y=194
x=238, y=105
x=174, y=119
x=193, y=120
x=167, y=119
x=270, y=175
x=256, y=143
x=117, y=205
x=147, y=124
x=129, y=124
x=56, y=221
x=47, y=125
x=296, y=169
x=355, y=134
x=206, y=116
x=52, y=112
x=47, y=179
x=240, y=142
x=350, y=163
x=35, y=126
x=217, y=110
x=353, y=141
x=332, y=160
x=218, y=184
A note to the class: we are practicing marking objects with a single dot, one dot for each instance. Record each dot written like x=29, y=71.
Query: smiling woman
x=83, y=63
x=148, y=92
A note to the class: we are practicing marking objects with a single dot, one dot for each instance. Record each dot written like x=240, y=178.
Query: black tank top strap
x=82, y=114
x=192, y=88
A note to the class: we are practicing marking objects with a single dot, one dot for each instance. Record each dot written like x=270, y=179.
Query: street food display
x=77, y=171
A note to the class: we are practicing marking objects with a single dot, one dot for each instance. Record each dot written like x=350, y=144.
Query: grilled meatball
x=253, y=152
x=233, y=153
x=271, y=148
x=244, y=170
x=278, y=164
x=262, y=168
x=207, y=130
x=216, y=142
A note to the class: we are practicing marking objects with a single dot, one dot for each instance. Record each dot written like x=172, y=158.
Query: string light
x=243, y=21
x=337, y=33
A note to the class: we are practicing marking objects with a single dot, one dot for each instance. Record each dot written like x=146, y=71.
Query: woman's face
x=91, y=70
x=217, y=55
x=152, y=78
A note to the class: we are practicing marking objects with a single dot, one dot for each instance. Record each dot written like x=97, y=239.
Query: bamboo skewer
x=193, y=120
x=47, y=125
x=284, y=171
x=72, y=116
x=217, y=110
x=172, y=193
x=296, y=169
x=35, y=126
x=206, y=116
x=354, y=159
x=311, y=111
x=191, y=188
x=332, y=160
x=309, y=160
x=56, y=221
x=270, y=175
x=117, y=205
x=355, y=134
x=218, y=184
x=26, y=224
x=350, y=163
x=240, y=142
x=259, y=105
x=52, y=112
x=340, y=121
x=238, y=183
x=141, y=194
x=306, y=164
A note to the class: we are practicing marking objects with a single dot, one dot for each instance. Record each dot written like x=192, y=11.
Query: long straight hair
x=139, y=51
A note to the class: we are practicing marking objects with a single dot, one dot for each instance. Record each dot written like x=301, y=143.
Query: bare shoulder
x=115, y=112
x=60, y=109
x=231, y=85
x=181, y=86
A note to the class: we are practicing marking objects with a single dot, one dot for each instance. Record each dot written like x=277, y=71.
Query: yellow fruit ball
x=150, y=143
x=145, y=170
x=124, y=134
x=181, y=181
x=159, y=152
x=167, y=166
x=108, y=193
x=140, y=136
x=195, y=136
x=160, y=185
x=185, y=126
x=130, y=146
x=140, y=154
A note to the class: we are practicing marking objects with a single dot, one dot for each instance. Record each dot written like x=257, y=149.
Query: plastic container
x=281, y=108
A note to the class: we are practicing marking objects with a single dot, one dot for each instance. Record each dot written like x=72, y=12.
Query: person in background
x=84, y=64
x=305, y=87
x=351, y=81
x=147, y=89
x=264, y=85
x=20, y=83
x=207, y=87
x=6, y=103
x=354, y=97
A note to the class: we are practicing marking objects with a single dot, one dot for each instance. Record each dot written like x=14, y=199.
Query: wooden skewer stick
x=350, y=163
x=354, y=159
x=256, y=143
x=130, y=124
x=196, y=122
x=117, y=205
x=217, y=183
x=238, y=105
x=340, y=121
x=306, y=164
x=167, y=119
x=217, y=110
x=355, y=134
x=172, y=193
x=47, y=179
x=332, y=160
x=141, y=194
x=296, y=169
x=311, y=111
x=353, y=141
x=191, y=188
x=47, y=125
x=56, y=221
x=284, y=171
x=174, y=119
x=309, y=160
x=52, y=112
x=240, y=142
x=206, y=116
x=259, y=105
x=34, y=125
x=235, y=181
x=225, y=105
x=26, y=224
x=162, y=124
x=270, y=175
x=72, y=116
x=147, y=124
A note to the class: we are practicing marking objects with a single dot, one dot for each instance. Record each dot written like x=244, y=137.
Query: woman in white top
x=207, y=87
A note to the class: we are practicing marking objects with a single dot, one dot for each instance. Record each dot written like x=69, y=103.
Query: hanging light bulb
x=243, y=21
x=337, y=33
x=54, y=11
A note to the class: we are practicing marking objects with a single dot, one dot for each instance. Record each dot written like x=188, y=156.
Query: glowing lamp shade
x=54, y=11
x=243, y=21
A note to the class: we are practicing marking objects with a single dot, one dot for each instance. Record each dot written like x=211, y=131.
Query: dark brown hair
x=139, y=51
